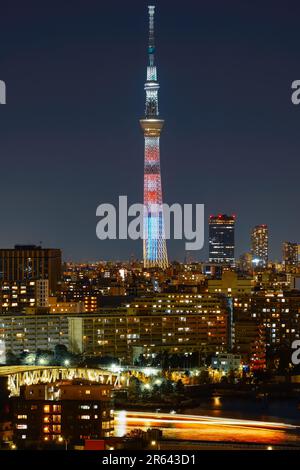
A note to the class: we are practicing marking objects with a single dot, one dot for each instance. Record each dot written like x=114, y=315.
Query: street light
x=154, y=444
x=42, y=361
x=61, y=439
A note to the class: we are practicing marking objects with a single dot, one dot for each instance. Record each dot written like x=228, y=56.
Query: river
x=223, y=419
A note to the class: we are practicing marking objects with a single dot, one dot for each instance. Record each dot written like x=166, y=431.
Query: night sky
x=70, y=136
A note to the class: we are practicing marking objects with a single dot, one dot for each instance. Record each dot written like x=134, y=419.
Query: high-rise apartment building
x=290, y=254
x=221, y=239
x=31, y=262
x=29, y=333
x=172, y=322
x=249, y=341
x=279, y=313
x=264, y=322
x=260, y=245
x=245, y=262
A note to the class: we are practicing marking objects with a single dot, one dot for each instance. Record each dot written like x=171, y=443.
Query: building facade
x=250, y=342
x=290, y=254
x=264, y=323
x=227, y=362
x=221, y=239
x=174, y=322
x=260, y=245
x=64, y=413
x=29, y=262
x=29, y=333
x=279, y=312
x=17, y=297
x=231, y=284
x=177, y=323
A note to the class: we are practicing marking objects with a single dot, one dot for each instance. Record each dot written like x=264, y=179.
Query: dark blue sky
x=70, y=136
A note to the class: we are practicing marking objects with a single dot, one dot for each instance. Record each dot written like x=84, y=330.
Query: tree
x=27, y=358
x=167, y=387
x=204, y=377
x=231, y=376
x=61, y=353
x=11, y=359
x=134, y=388
x=141, y=361
x=224, y=380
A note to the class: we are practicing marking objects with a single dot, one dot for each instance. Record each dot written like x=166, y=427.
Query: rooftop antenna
x=151, y=45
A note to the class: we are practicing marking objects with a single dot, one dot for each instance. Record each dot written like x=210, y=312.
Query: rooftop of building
x=78, y=389
x=222, y=217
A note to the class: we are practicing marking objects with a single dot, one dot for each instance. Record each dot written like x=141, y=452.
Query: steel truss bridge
x=32, y=375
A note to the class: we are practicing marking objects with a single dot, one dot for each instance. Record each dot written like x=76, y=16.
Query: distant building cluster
x=126, y=311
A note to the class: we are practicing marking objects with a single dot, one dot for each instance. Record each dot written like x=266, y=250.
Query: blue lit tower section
x=154, y=243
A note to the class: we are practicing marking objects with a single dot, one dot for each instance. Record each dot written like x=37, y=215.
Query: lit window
x=106, y=425
x=21, y=426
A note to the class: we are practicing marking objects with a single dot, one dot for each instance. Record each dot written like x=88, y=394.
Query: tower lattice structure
x=154, y=242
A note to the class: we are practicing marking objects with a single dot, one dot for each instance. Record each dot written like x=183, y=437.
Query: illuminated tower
x=154, y=243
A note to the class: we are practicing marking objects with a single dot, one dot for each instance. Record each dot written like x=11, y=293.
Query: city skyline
x=223, y=128
x=117, y=333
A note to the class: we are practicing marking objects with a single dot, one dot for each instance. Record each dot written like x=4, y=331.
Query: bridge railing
x=18, y=377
